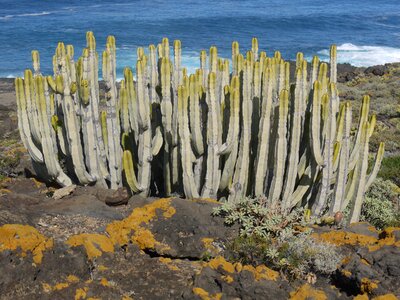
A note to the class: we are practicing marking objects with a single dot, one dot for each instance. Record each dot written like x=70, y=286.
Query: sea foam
x=363, y=56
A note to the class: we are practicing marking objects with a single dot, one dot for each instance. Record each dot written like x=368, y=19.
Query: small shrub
x=390, y=169
x=381, y=204
x=281, y=241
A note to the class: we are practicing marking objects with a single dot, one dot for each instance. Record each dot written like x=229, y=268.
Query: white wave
x=43, y=13
x=363, y=56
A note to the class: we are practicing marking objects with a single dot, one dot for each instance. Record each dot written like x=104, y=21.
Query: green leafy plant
x=381, y=205
x=281, y=241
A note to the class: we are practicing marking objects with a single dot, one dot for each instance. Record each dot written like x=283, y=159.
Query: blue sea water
x=367, y=32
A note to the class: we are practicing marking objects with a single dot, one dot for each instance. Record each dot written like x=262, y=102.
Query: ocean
x=367, y=32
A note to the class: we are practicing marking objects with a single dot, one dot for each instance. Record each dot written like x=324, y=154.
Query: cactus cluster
x=222, y=132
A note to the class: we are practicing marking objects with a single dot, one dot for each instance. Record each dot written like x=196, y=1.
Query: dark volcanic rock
x=379, y=70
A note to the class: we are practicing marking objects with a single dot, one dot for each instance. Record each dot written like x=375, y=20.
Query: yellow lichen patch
x=104, y=282
x=307, y=292
x=387, y=238
x=95, y=244
x=102, y=268
x=345, y=260
x=81, y=293
x=218, y=262
x=345, y=238
x=126, y=298
x=346, y=273
x=60, y=286
x=46, y=287
x=168, y=262
x=120, y=231
x=261, y=272
x=72, y=279
x=361, y=297
x=227, y=278
x=208, y=244
x=26, y=238
x=372, y=229
x=5, y=191
x=204, y=295
x=210, y=200
x=37, y=183
x=365, y=262
x=367, y=285
x=386, y=297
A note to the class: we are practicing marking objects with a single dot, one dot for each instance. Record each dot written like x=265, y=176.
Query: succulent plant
x=212, y=134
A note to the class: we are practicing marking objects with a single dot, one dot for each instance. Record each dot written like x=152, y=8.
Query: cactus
x=213, y=133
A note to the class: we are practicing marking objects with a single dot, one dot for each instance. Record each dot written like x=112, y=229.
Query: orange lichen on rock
x=345, y=238
x=210, y=200
x=346, y=273
x=261, y=272
x=168, y=261
x=386, y=238
x=120, y=231
x=95, y=244
x=227, y=278
x=60, y=286
x=208, y=244
x=104, y=282
x=81, y=293
x=306, y=292
x=204, y=295
x=102, y=268
x=220, y=262
x=367, y=285
x=26, y=238
x=386, y=297
x=361, y=297
x=339, y=238
x=72, y=278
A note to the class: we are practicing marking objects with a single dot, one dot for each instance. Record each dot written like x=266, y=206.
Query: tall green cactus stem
x=31, y=106
x=327, y=171
x=113, y=126
x=153, y=76
x=333, y=64
x=145, y=148
x=235, y=53
x=93, y=77
x=129, y=171
x=294, y=146
x=231, y=146
x=23, y=121
x=360, y=174
x=342, y=172
x=281, y=148
x=377, y=165
x=213, y=171
x=48, y=137
x=241, y=175
x=364, y=111
x=187, y=156
x=132, y=102
x=89, y=131
x=261, y=163
x=36, y=62
x=254, y=48
x=314, y=70
x=124, y=111
x=166, y=113
x=315, y=124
